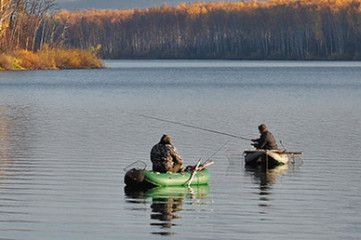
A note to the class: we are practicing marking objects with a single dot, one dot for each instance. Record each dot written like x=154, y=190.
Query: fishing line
x=219, y=149
x=195, y=127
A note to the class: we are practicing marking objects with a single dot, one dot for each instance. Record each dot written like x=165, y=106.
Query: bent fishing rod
x=195, y=127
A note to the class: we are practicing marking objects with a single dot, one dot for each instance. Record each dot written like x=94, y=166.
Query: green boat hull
x=143, y=178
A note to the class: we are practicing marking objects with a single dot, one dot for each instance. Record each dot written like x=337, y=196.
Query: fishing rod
x=195, y=127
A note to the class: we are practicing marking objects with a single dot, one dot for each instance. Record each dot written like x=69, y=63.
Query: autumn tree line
x=27, y=24
x=274, y=29
x=30, y=38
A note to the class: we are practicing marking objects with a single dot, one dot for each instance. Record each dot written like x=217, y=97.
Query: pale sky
x=121, y=4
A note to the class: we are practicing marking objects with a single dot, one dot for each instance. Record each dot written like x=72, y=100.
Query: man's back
x=165, y=157
x=267, y=141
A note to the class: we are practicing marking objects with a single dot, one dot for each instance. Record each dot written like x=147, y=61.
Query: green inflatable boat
x=142, y=178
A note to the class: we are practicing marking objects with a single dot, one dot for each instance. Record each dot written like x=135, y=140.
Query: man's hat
x=262, y=127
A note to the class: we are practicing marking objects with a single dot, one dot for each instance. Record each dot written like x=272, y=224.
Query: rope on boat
x=195, y=127
x=132, y=164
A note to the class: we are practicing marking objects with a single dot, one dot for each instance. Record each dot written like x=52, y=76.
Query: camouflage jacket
x=165, y=158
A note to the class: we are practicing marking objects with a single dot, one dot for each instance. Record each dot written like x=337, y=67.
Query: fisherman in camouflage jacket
x=165, y=157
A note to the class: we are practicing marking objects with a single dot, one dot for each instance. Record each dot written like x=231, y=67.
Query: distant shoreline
x=216, y=63
x=245, y=30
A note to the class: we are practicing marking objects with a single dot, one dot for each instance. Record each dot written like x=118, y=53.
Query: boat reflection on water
x=267, y=177
x=264, y=179
x=167, y=203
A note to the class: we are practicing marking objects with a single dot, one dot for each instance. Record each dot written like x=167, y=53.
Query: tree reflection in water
x=167, y=204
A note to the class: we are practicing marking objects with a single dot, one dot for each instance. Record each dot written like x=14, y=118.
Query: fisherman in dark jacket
x=165, y=157
x=266, y=140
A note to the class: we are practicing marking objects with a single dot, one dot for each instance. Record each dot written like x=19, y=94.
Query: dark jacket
x=266, y=141
x=165, y=158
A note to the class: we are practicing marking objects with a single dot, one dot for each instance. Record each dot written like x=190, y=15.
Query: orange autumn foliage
x=49, y=59
x=273, y=29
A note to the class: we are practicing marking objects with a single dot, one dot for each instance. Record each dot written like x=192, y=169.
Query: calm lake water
x=67, y=136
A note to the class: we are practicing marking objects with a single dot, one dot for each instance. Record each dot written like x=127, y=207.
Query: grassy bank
x=49, y=59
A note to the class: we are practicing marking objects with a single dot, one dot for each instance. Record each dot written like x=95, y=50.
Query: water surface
x=66, y=137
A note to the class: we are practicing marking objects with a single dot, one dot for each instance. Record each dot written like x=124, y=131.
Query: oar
x=205, y=165
x=194, y=172
x=198, y=169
